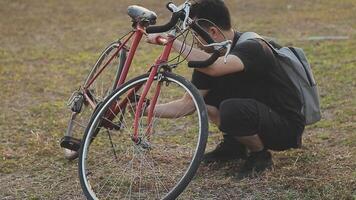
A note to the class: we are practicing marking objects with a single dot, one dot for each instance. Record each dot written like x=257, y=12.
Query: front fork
x=152, y=105
x=162, y=59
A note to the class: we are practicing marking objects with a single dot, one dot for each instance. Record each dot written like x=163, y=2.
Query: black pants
x=247, y=117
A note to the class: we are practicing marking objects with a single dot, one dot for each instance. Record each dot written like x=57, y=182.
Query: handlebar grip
x=200, y=31
x=160, y=29
x=205, y=63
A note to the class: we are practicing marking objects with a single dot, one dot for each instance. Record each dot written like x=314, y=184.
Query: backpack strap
x=310, y=79
x=248, y=35
x=252, y=35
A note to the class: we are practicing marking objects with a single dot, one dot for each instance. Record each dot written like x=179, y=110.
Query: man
x=250, y=98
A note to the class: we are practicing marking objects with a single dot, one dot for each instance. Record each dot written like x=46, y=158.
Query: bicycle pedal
x=70, y=143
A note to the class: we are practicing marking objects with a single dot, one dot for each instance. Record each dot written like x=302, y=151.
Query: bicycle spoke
x=124, y=171
x=158, y=181
x=131, y=174
x=121, y=181
x=140, y=177
x=107, y=180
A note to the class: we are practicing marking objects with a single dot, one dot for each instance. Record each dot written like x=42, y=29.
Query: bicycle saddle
x=141, y=14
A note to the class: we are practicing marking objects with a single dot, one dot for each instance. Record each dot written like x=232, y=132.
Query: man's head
x=215, y=11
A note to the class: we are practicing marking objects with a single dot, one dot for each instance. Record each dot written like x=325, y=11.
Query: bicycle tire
x=190, y=138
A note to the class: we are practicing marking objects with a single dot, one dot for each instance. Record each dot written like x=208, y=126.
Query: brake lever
x=225, y=44
x=186, y=7
x=218, y=45
x=187, y=12
x=228, y=49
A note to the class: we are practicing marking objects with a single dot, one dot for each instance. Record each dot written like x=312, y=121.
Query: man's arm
x=175, y=109
x=219, y=68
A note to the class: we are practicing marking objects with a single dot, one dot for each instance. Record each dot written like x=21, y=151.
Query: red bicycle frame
x=163, y=58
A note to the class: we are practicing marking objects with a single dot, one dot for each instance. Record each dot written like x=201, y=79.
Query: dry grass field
x=47, y=48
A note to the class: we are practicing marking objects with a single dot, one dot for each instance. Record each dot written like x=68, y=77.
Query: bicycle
x=130, y=151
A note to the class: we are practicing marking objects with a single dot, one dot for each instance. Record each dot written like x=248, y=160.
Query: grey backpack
x=296, y=65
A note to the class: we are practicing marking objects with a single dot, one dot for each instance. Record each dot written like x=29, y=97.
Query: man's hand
x=157, y=38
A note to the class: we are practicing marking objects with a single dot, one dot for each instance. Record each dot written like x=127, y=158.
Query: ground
x=47, y=47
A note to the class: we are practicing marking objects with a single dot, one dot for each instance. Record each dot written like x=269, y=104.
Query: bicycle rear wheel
x=105, y=83
x=113, y=166
x=100, y=88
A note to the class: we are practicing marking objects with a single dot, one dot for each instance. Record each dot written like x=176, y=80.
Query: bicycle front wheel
x=162, y=164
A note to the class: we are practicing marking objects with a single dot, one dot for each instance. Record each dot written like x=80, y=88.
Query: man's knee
x=239, y=117
x=226, y=111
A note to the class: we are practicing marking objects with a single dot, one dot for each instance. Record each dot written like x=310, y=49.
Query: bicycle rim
x=114, y=167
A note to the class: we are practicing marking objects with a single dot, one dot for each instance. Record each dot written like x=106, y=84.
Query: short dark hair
x=215, y=11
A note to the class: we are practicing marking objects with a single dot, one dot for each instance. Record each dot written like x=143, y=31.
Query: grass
x=47, y=47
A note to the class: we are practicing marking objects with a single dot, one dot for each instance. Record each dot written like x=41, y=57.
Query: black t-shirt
x=263, y=79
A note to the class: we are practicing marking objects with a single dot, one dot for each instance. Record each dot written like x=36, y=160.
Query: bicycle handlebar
x=205, y=35
x=163, y=28
x=205, y=63
x=196, y=27
x=200, y=31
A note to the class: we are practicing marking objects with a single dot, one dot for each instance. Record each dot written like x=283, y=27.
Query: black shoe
x=228, y=149
x=256, y=163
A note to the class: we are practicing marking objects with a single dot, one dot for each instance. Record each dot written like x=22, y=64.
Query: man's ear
x=214, y=32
